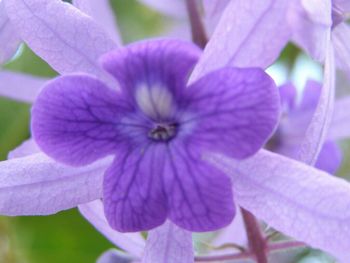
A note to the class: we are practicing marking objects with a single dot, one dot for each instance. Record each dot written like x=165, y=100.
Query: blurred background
x=67, y=237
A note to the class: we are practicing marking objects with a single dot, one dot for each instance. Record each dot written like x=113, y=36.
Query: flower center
x=163, y=132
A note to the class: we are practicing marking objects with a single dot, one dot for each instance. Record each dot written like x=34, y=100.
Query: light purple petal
x=340, y=125
x=311, y=22
x=234, y=233
x=341, y=40
x=28, y=147
x=20, y=86
x=251, y=33
x=114, y=256
x=37, y=185
x=318, y=128
x=213, y=8
x=241, y=106
x=102, y=12
x=213, y=11
x=330, y=158
x=344, y=5
x=75, y=119
x=133, y=196
x=175, y=8
x=133, y=243
x=294, y=198
x=9, y=39
x=62, y=35
x=168, y=243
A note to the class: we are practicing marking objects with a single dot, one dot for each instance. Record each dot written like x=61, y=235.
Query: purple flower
x=292, y=197
x=158, y=129
x=296, y=117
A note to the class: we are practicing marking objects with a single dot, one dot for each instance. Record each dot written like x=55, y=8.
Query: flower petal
x=133, y=243
x=239, y=105
x=114, y=256
x=19, y=86
x=9, y=39
x=148, y=183
x=311, y=22
x=28, y=147
x=63, y=36
x=311, y=96
x=243, y=36
x=102, y=12
x=340, y=126
x=341, y=40
x=75, y=119
x=288, y=95
x=330, y=158
x=152, y=63
x=169, y=243
x=133, y=195
x=37, y=185
x=234, y=233
x=294, y=198
x=199, y=195
x=344, y=5
x=318, y=128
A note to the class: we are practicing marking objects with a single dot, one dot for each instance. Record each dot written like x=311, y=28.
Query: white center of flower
x=156, y=101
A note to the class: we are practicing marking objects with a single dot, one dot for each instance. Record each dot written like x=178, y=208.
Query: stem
x=285, y=245
x=256, y=241
x=197, y=28
x=245, y=255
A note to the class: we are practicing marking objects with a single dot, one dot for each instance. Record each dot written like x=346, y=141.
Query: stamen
x=163, y=132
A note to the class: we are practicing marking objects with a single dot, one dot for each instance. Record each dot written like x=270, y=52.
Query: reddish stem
x=256, y=241
x=199, y=35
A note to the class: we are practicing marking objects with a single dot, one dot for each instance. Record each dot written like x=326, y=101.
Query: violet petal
x=296, y=199
x=37, y=185
x=168, y=243
x=330, y=157
x=241, y=106
x=288, y=95
x=199, y=195
x=75, y=119
x=166, y=62
x=134, y=198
